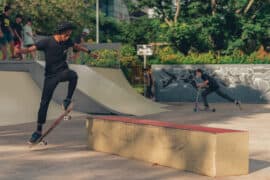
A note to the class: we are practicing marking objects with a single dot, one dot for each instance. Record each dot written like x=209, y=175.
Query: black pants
x=50, y=83
x=208, y=91
x=149, y=92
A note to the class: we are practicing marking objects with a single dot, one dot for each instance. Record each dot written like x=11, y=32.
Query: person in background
x=149, y=83
x=80, y=39
x=28, y=37
x=17, y=29
x=210, y=85
x=6, y=33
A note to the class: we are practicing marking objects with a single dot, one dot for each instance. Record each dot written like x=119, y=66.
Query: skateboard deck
x=63, y=116
x=197, y=109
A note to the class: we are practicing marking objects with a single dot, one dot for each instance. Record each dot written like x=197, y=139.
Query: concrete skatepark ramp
x=20, y=98
x=99, y=90
x=103, y=91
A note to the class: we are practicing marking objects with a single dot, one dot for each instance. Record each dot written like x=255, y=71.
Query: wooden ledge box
x=203, y=150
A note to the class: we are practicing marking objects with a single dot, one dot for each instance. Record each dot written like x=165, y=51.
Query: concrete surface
x=106, y=89
x=208, y=151
x=117, y=77
x=99, y=90
x=249, y=83
x=67, y=156
x=20, y=98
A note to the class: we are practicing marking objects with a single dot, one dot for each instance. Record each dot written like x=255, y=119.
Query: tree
x=216, y=24
x=46, y=14
x=167, y=10
x=142, y=30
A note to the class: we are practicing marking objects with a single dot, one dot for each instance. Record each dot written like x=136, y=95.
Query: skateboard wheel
x=66, y=118
x=41, y=143
x=44, y=143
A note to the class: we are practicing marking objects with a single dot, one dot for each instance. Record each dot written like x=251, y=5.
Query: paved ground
x=67, y=156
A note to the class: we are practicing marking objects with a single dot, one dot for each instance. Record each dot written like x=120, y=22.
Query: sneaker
x=206, y=108
x=66, y=103
x=238, y=103
x=35, y=137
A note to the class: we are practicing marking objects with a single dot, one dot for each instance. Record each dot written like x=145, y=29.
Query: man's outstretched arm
x=84, y=49
x=203, y=84
x=26, y=50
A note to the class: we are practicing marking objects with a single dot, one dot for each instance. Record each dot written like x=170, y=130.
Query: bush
x=128, y=56
x=168, y=55
x=181, y=36
x=106, y=58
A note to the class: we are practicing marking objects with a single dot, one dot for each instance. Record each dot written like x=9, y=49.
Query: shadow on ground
x=67, y=155
x=256, y=165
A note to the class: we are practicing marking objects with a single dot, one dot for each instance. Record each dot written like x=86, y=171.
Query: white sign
x=144, y=50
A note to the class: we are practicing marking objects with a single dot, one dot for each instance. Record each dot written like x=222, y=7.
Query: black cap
x=29, y=20
x=7, y=8
x=199, y=70
x=19, y=16
x=64, y=26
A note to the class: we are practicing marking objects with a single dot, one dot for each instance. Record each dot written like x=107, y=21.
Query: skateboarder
x=56, y=70
x=210, y=85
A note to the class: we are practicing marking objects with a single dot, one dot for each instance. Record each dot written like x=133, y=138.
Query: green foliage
x=128, y=56
x=110, y=29
x=106, y=58
x=167, y=55
x=202, y=31
x=139, y=88
x=141, y=31
x=46, y=15
x=220, y=26
x=182, y=36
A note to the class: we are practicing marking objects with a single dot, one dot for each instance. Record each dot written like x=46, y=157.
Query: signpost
x=144, y=50
x=97, y=21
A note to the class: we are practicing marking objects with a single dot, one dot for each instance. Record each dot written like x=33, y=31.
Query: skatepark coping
x=166, y=124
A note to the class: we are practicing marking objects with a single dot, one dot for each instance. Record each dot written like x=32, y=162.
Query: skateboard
x=206, y=110
x=64, y=116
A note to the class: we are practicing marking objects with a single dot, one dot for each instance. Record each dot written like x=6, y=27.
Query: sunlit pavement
x=67, y=156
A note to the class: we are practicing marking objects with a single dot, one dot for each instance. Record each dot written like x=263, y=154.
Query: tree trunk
x=250, y=3
x=170, y=23
x=176, y=15
x=213, y=6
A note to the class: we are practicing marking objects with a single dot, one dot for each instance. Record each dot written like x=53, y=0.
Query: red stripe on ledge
x=166, y=124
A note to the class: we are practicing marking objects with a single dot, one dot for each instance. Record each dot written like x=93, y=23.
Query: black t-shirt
x=55, y=54
x=78, y=39
x=18, y=28
x=5, y=23
x=212, y=83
